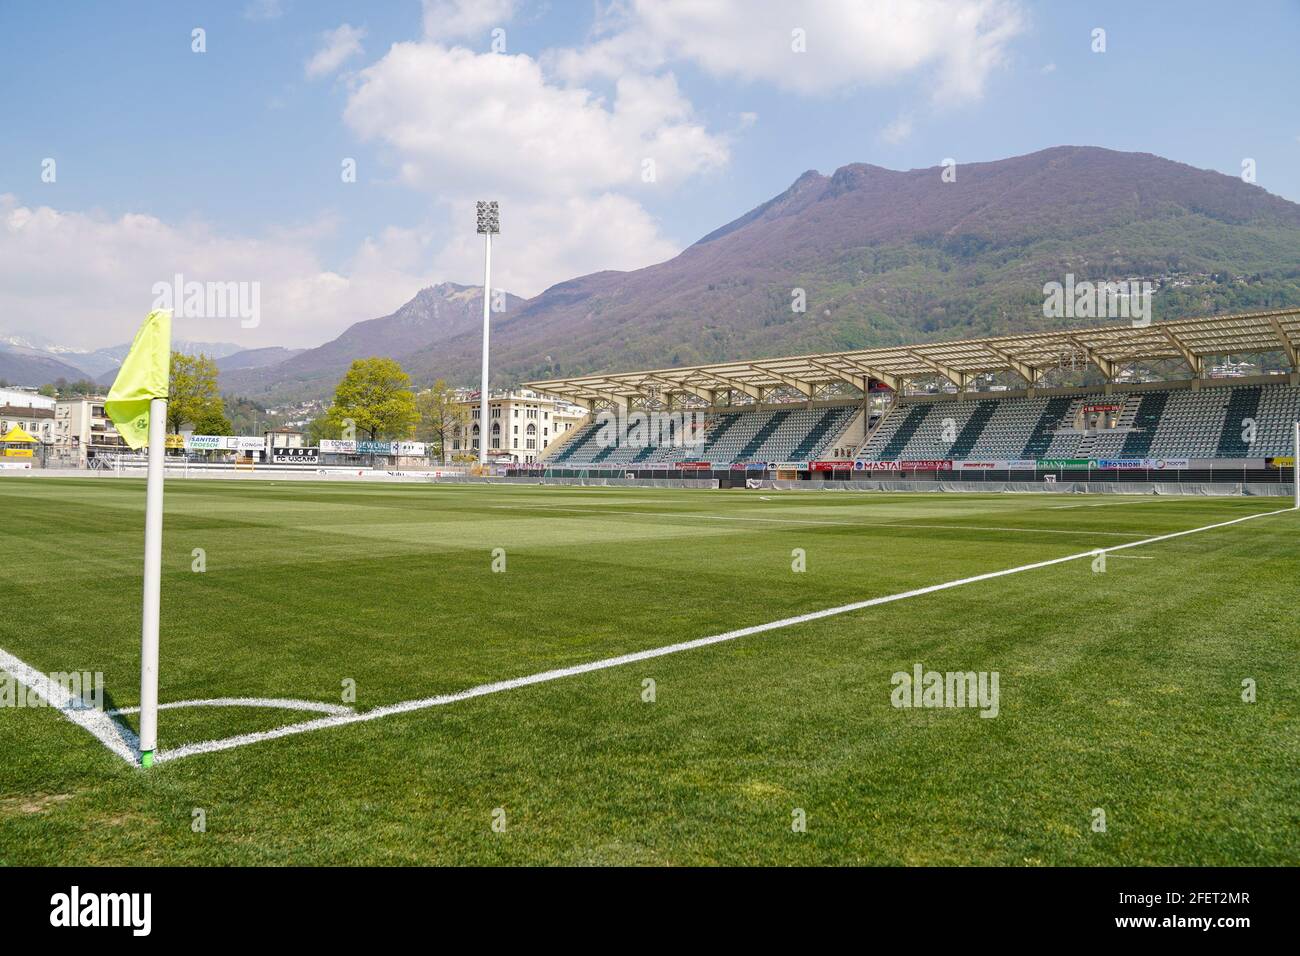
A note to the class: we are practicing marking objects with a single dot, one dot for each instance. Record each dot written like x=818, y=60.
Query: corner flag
x=142, y=377
x=137, y=403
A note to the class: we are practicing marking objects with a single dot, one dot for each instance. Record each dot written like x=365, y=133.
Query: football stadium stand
x=798, y=434
x=1177, y=423
x=862, y=407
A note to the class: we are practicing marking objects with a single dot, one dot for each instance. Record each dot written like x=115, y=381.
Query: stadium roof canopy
x=1030, y=355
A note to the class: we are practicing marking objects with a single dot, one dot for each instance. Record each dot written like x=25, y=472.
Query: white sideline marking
x=116, y=736
x=279, y=703
x=322, y=723
x=833, y=524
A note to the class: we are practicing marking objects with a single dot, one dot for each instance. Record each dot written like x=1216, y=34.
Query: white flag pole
x=1295, y=464
x=153, y=523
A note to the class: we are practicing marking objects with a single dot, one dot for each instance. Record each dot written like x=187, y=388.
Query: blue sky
x=225, y=164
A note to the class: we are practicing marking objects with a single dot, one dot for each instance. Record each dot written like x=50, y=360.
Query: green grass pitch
x=1119, y=691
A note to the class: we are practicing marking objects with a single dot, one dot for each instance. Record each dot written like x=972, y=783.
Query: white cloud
x=544, y=241
x=68, y=273
x=1048, y=68
x=462, y=19
x=567, y=164
x=460, y=120
x=898, y=130
x=337, y=46
x=955, y=43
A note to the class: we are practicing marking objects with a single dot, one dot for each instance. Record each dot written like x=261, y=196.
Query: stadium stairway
x=575, y=443
x=762, y=435
x=1041, y=438
x=719, y=429
x=889, y=450
x=972, y=430
x=1137, y=444
x=812, y=443
x=1243, y=405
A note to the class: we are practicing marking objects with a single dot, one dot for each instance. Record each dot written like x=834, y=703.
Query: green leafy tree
x=441, y=417
x=62, y=388
x=192, y=394
x=374, y=397
x=213, y=423
x=321, y=427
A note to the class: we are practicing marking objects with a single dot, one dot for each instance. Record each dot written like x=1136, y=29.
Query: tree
x=192, y=394
x=62, y=388
x=321, y=427
x=213, y=423
x=441, y=416
x=374, y=397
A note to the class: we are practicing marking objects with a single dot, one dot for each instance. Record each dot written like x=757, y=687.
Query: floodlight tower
x=489, y=225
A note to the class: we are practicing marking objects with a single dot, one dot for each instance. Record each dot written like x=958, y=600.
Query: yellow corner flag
x=143, y=376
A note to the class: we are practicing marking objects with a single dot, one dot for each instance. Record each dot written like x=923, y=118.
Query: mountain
x=85, y=363
x=889, y=257
x=435, y=315
x=256, y=358
x=99, y=365
x=884, y=257
x=213, y=350
x=21, y=368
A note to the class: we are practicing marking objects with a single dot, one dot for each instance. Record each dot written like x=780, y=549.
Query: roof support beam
x=861, y=382
x=953, y=375
x=807, y=388
x=588, y=397
x=1194, y=362
x=672, y=385
x=1104, y=365
x=753, y=391
x=1285, y=341
x=1027, y=372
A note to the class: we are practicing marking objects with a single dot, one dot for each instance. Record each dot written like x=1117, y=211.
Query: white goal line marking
x=114, y=735
x=121, y=741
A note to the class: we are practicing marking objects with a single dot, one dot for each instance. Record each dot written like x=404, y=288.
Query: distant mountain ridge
x=882, y=256
x=22, y=369
x=435, y=315
x=27, y=359
x=885, y=257
x=256, y=358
